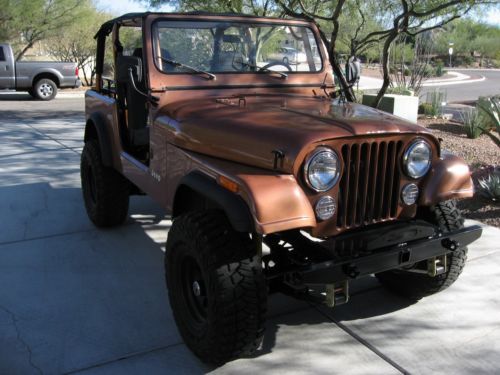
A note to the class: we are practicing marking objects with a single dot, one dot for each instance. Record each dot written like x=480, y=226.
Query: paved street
x=75, y=299
x=467, y=91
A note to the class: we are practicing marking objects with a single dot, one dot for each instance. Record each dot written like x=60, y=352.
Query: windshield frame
x=250, y=21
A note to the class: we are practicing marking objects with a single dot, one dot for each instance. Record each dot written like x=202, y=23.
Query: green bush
x=407, y=72
x=489, y=187
x=472, y=123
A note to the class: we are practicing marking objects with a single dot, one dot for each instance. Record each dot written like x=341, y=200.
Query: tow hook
x=337, y=294
x=450, y=244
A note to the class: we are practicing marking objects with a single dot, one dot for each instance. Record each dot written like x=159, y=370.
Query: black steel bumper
x=383, y=259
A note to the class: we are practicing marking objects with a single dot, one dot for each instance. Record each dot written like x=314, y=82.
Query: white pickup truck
x=40, y=79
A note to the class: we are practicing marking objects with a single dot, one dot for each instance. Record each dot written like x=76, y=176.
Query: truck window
x=2, y=55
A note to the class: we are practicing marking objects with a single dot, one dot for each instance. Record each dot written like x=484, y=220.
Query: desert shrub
x=358, y=94
x=468, y=60
x=399, y=90
x=489, y=187
x=425, y=108
x=435, y=99
x=428, y=71
x=439, y=68
x=472, y=121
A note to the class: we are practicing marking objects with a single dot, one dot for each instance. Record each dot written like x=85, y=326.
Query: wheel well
x=90, y=131
x=50, y=76
x=187, y=199
x=199, y=192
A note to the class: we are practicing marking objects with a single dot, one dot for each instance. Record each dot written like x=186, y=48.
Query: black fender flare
x=232, y=204
x=96, y=128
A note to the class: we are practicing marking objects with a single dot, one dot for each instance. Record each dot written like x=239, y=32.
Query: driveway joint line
x=52, y=139
x=362, y=341
x=121, y=358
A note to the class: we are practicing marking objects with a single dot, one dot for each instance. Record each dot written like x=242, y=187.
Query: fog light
x=409, y=194
x=325, y=208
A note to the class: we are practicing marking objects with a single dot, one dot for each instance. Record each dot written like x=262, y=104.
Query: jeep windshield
x=235, y=47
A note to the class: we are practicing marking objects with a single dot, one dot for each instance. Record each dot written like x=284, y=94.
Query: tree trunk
x=385, y=68
x=23, y=51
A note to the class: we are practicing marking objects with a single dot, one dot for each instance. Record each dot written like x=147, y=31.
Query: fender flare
x=232, y=204
x=96, y=128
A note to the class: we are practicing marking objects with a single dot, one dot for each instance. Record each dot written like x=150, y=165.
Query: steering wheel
x=276, y=63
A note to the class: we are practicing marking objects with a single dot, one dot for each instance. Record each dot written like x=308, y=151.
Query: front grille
x=369, y=187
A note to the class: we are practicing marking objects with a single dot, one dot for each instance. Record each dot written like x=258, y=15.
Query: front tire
x=45, y=89
x=216, y=287
x=105, y=191
x=415, y=285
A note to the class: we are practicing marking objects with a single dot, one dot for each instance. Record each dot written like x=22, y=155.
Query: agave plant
x=490, y=186
x=472, y=121
x=490, y=109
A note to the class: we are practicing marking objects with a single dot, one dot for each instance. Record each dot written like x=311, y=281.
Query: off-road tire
x=226, y=320
x=415, y=285
x=105, y=191
x=45, y=89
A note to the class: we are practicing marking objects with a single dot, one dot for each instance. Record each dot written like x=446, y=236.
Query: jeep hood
x=246, y=129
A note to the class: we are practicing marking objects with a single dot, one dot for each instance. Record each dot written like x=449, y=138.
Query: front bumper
x=373, y=251
x=397, y=256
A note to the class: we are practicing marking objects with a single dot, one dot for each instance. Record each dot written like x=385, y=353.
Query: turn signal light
x=228, y=184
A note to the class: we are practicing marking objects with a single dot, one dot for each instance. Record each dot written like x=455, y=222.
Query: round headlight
x=322, y=169
x=417, y=159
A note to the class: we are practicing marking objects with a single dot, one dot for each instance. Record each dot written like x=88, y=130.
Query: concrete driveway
x=74, y=299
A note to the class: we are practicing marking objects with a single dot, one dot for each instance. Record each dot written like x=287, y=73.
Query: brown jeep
x=239, y=128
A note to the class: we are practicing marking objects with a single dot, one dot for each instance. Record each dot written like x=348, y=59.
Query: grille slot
x=369, y=187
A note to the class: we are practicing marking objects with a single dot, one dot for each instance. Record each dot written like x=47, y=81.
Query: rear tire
x=216, y=287
x=415, y=285
x=105, y=191
x=45, y=89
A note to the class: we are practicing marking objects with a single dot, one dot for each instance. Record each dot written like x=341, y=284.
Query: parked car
x=40, y=79
x=274, y=183
x=288, y=55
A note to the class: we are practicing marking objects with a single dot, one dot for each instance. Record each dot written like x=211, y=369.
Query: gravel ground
x=478, y=153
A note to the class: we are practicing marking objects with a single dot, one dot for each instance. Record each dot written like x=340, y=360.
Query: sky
x=119, y=7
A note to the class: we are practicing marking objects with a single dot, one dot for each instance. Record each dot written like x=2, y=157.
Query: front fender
x=277, y=202
x=448, y=179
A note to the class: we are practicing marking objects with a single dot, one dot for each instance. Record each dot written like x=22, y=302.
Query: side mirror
x=353, y=71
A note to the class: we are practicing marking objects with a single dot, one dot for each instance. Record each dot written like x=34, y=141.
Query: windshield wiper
x=262, y=69
x=208, y=75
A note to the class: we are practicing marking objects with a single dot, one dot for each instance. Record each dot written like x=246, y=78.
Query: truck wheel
x=45, y=89
x=416, y=285
x=216, y=287
x=105, y=191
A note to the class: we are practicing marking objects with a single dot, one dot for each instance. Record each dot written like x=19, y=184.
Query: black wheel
x=285, y=60
x=216, y=287
x=45, y=89
x=417, y=285
x=105, y=191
